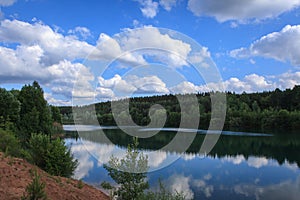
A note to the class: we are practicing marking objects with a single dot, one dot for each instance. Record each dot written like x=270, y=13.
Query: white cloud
x=203, y=186
x=156, y=158
x=20, y=64
x=251, y=161
x=235, y=159
x=241, y=10
x=188, y=157
x=257, y=162
x=167, y=4
x=199, y=57
x=82, y=31
x=288, y=189
x=288, y=80
x=166, y=49
x=66, y=74
x=56, y=47
x=258, y=82
x=120, y=87
x=249, y=83
x=283, y=46
x=149, y=8
x=85, y=163
x=181, y=183
x=184, y=88
x=53, y=101
x=7, y=2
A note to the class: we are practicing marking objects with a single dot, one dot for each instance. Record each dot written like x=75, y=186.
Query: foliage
x=162, y=194
x=35, y=114
x=9, y=143
x=36, y=189
x=55, y=113
x=134, y=185
x=26, y=120
x=52, y=156
x=129, y=173
x=9, y=108
x=256, y=112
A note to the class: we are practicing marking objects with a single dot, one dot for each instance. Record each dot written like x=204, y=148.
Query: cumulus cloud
x=71, y=79
x=283, y=46
x=288, y=80
x=56, y=47
x=119, y=87
x=22, y=63
x=250, y=83
x=35, y=51
x=240, y=10
x=164, y=48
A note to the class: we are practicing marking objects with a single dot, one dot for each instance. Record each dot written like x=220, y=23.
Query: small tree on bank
x=36, y=189
x=52, y=156
x=129, y=173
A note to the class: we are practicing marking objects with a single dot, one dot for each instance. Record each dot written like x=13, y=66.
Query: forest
x=28, y=125
x=270, y=111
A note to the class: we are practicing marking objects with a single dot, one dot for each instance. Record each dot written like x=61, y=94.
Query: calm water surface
x=241, y=165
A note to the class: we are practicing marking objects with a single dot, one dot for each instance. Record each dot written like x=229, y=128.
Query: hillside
x=16, y=174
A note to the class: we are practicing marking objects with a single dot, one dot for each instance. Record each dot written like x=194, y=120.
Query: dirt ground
x=16, y=174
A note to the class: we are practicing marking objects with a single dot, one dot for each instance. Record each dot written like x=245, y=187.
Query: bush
x=9, y=143
x=131, y=185
x=162, y=194
x=52, y=156
x=36, y=189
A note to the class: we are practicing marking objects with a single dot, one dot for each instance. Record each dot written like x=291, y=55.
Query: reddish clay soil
x=16, y=174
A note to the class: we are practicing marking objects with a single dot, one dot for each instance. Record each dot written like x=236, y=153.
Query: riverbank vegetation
x=27, y=124
x=270, y=111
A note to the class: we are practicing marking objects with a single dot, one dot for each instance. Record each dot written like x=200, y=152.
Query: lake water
x=240, y=166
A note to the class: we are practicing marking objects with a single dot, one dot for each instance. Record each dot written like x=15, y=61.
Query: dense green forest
x=272, y=111
x=27, y=126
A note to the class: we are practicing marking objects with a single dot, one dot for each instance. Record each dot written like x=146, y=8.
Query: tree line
x=269, y=111
x=27, y=124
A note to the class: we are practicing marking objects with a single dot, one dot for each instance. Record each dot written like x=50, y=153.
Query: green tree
x=36, y=189
x=55, y=113
x=52, y=156
x=9, y=143
x=59, y=159
x=9, y=108
x=35, y=114
x=129, y=173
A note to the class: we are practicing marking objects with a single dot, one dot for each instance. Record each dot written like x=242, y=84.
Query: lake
x=240, y=166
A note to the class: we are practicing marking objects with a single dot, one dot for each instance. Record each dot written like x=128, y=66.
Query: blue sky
x=71, y=47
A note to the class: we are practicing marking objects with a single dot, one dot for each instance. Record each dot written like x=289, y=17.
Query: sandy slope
x=16, y=174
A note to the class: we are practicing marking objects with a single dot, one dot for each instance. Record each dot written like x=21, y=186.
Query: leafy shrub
x=52, y=156
x=9, y=143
